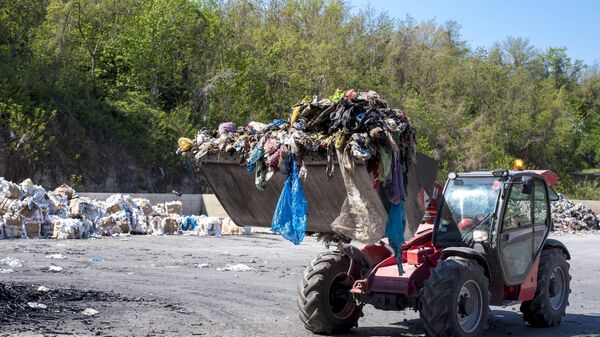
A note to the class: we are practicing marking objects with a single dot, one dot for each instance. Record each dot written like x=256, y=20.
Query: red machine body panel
x=527, y=291
x=418, y=258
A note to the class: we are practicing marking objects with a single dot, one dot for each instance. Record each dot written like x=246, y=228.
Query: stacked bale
x=29, y=211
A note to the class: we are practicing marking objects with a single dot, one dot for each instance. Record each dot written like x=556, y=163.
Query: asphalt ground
x=174, y=286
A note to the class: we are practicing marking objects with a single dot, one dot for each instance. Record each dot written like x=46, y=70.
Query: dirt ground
x=171, y=286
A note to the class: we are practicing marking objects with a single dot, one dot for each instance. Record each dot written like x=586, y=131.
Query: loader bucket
x=246, y=205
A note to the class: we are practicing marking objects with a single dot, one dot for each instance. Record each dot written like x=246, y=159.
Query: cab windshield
x=468, y=203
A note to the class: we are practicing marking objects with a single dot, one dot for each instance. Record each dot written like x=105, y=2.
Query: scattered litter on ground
x=56, y=256
x=6, y=271
x=96, y=260
x=11, y=262
x=43, y=289
x=90, y=312
x=203, y=265
x=36, y=305
x=49, y=312
x=240, y=267
x=52, y=268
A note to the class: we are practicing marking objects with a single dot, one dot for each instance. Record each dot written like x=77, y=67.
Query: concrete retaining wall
x=192, y=203
x=212, y=207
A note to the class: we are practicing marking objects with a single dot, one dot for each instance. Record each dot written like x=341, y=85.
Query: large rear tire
x=552, y=293
x=455, y=299
x=325, y=303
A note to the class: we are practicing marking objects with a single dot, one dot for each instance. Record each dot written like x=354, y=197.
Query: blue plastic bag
x=254, y=157
x=289, y=218
x=189, y=223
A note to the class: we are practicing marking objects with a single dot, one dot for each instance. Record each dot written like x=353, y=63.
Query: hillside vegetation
x=90, y=83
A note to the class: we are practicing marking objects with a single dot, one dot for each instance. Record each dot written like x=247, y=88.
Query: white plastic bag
x=358, y=219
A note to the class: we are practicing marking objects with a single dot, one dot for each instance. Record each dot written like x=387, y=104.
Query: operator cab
x=502, y=214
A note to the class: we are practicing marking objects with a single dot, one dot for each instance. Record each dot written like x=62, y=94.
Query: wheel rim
x=557, y=288
x=340, y=302
x=469, y=306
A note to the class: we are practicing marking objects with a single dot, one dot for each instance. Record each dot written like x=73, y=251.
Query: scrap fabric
x=357, y=125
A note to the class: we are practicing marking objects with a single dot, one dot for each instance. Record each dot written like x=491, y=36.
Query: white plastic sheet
x=358, y=218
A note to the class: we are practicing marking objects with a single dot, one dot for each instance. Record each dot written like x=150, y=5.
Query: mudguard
x=468, y=253
x=553, y=243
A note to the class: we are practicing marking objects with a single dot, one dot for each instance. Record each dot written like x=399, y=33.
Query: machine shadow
x=502, y=322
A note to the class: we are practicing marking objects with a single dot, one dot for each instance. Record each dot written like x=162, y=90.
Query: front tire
x=455, y=299
x=325, y=303
x=552, y=292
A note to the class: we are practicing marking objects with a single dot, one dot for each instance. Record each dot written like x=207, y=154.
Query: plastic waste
x=189, y=223
x=52, y=268
x=568, y=216
x=56, y=256
x=65, y=191
x=212, y=225
x=289, y=218
x=67, y=228
x=96, y=260
x=240, y=267
x=254, y=157
x=174, y=207
x=9, y=189
x=185, y=144
x=90, y=312
x=227, y=127
x=36, y=305
x=257, y=126
x=11, y=262
x=358, y=219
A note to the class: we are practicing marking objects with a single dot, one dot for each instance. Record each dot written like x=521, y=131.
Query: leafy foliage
x=137, y=74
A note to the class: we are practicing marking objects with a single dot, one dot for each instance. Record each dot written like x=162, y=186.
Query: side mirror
x=527, y=185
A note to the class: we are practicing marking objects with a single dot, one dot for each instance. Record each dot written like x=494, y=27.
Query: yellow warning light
x=519, y=164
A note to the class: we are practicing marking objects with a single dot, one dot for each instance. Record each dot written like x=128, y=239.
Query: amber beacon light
x=519, y=164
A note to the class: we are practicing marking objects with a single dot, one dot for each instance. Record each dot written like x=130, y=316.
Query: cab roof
x=550, y=176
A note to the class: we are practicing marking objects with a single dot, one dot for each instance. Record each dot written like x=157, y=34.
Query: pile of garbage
x=350, y=125
x=569, y=217
x=29, y=211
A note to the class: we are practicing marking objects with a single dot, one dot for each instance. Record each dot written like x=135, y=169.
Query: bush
x=585, y=190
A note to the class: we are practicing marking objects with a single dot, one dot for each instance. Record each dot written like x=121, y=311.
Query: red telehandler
x=483, y=241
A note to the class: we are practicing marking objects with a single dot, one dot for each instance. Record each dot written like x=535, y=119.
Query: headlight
x=480, y=236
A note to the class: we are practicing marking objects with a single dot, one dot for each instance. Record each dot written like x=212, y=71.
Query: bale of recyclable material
x=174, y=207
x=65, y=191
x=8, y=189
x=9, y=206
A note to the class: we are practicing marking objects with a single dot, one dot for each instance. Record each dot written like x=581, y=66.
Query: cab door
x=516, y=240
x=542, y=218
